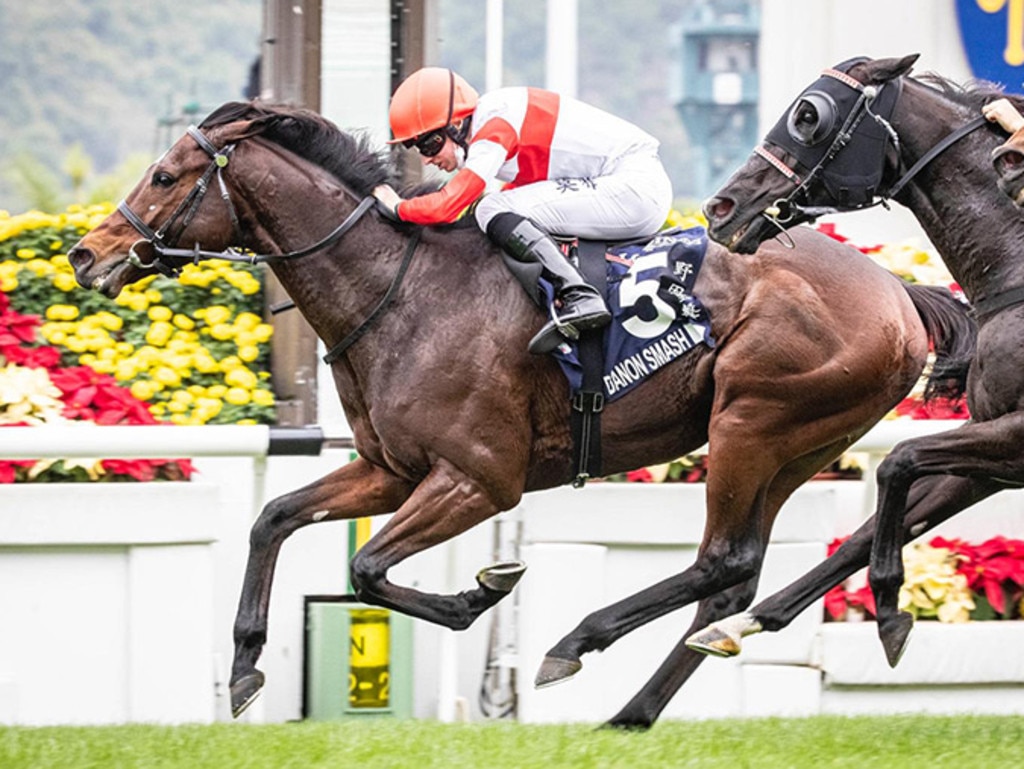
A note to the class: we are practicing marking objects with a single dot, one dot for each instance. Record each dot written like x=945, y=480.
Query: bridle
x=788, y=211
x=163, y=239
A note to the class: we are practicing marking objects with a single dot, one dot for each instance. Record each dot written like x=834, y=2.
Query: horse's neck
x=977, y=230
x=295, y=204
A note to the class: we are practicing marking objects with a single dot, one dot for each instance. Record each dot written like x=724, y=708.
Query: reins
x=186, y=210
x=335, y=352
x=934, y=152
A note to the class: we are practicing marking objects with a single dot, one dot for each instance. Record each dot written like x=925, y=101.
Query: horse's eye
x=805, y=120
x=162, y=179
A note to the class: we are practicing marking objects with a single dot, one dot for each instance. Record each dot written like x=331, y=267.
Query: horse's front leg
x=720, y=564
x=992, y=450
x=357, y=489
x=446, y=503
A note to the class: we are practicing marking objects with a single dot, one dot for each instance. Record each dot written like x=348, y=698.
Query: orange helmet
x=429, y=99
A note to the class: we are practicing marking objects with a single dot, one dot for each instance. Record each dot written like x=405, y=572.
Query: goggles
x=429, y=144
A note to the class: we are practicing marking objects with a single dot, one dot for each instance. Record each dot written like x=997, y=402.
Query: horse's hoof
x=244, y=692
x=501, y=577
x=554, y=670
x=715, y=642
x=623, y=722
x=895, y=632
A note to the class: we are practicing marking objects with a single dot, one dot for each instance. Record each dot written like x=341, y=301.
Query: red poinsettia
x=15, y=329
x=643, y=475
x=98, y=398
x=830, y=230
x=939, y=408
x=994, y=569
x=840, y=599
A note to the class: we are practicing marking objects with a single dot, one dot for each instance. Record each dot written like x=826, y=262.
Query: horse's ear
x=884, y=70
x=243, y=129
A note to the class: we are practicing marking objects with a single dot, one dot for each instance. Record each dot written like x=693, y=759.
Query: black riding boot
x=582, y=306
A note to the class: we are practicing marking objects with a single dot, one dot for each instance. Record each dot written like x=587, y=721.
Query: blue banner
x=992, y=32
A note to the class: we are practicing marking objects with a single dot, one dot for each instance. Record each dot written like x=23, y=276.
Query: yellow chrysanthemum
x=240, y=377
x=61, y=312
x=237, y=396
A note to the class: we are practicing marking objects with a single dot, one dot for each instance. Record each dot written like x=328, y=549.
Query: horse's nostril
x=1009, y=161
x=718, y=209
x=80, y=258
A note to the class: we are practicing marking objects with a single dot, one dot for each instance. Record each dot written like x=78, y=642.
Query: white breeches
x=631, y=202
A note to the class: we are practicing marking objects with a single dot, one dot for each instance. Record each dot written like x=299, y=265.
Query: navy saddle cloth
x=655, y=316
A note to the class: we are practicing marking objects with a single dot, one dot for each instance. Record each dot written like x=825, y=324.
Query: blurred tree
x=99, y=73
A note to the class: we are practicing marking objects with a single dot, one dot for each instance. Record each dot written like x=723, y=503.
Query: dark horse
x=453, y=421
x=936, y=161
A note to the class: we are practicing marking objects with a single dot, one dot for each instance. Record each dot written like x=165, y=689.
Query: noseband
x=163, y=239
x=788, y=210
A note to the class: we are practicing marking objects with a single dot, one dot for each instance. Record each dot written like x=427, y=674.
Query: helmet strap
x=460, y=133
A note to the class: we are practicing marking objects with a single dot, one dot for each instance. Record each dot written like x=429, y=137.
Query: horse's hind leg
x=731, y=554
x=357, y=489
x=993, y=449
x=446, y=503
x=932, y=501
x=646, y=705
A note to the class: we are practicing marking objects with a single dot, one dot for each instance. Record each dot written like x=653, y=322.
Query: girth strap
x=588, y=402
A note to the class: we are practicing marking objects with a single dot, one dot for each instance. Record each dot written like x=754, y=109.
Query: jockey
x=568, y=169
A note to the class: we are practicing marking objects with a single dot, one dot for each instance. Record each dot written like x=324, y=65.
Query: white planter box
x=106, y=591
x=971, y=668
x=937, y=654
x=107, y=513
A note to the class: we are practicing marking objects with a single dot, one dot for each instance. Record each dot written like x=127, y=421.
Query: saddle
x=656, y=319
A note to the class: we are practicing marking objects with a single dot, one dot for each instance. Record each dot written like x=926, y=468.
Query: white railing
x=78, y=440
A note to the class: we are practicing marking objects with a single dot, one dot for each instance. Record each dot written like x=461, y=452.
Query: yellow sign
x=369, y=658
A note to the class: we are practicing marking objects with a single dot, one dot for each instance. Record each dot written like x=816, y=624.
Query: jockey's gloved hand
x=387, y=201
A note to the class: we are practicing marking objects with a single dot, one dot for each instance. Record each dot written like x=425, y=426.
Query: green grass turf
x=903, y=742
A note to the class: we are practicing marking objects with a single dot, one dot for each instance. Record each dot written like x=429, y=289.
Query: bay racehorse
x=924, y=143
x=453, y=421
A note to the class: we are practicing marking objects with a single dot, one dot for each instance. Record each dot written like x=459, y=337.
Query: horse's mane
x=973, y=94
x=349, y=157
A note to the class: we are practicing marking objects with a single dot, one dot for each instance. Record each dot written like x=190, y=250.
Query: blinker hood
x=853, y=173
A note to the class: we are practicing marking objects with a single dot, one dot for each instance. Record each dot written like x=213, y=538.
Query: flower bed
x=187, y=351
x=949, y=580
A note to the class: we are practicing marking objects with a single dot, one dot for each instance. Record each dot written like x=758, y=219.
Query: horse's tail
x=954, y=337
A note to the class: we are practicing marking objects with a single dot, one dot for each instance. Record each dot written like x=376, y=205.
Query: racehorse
x=931, y=153
x=453, y=421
